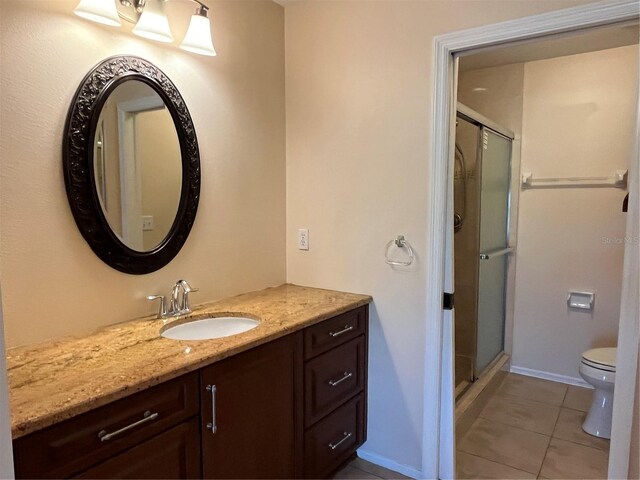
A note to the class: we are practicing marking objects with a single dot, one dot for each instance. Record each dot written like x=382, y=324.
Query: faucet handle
x=162, y=311
x=186, y=289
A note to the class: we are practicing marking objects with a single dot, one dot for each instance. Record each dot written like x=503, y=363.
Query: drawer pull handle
x=347, y=328
x=147, y=417
x=213, y=426
x=346, y=436
x=338, y=382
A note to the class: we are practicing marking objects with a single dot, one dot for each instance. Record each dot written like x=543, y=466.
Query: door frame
x=130, y=168
x=438, y=457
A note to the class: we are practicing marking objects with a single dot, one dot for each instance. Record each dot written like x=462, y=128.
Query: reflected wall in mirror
x=131, y=165
x=137, y=165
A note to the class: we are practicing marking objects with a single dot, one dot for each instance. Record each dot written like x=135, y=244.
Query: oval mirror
x=131, y=162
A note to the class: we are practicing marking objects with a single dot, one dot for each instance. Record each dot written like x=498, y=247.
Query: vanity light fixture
x=151, y=22
x=198, y=37
x=101, y=11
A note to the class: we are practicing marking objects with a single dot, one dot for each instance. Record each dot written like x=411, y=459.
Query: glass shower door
x=494, y=248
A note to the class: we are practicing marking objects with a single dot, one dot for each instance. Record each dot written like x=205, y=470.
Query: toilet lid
x=604, y=358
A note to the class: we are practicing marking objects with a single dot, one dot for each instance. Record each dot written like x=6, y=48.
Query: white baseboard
x=554, y=377
x=390, y=464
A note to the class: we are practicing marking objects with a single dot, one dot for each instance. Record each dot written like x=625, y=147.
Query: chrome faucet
x=179, y=304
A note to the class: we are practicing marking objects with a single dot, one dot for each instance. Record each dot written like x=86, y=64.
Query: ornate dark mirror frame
x=78, y=164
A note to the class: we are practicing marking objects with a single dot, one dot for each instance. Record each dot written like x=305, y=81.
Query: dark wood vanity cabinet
x=124, y=439
x=335, y=391
x=172, y=454
x=290, y=408
x=249, y=416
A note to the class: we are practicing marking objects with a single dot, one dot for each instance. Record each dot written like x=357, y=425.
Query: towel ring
x=399, y=242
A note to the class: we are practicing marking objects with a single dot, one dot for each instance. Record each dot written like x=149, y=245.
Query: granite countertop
x=57, y=380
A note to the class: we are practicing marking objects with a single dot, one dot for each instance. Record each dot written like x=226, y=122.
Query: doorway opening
x=566, y=23
x=573, y=116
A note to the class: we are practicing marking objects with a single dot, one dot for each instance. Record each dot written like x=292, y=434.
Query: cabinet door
x=249, y=420
x=171, y=454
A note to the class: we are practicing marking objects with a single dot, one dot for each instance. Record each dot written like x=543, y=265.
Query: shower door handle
x=495, y=253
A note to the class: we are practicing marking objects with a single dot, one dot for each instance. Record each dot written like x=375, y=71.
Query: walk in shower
x=482, y=175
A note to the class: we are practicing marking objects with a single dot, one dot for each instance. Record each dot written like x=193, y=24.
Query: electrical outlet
x=303, y=239
x=147, y=223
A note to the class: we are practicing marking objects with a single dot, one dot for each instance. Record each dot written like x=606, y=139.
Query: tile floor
x=531, y=428
x=359, y=469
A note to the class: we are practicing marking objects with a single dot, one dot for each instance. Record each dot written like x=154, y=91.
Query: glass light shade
x=198, y=37
x=153, y=23
x=101, y=11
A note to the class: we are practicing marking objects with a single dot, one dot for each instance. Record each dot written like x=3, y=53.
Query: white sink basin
x=208, y=328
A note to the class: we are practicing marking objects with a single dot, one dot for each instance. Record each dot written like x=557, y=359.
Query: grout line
x=575, y=409
x=580, y=444
x=564, y=397
x=546, y=451
x=519, y=397
x=514, y=426
x=499, y=463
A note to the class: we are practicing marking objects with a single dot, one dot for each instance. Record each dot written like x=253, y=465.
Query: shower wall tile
x=464, y=369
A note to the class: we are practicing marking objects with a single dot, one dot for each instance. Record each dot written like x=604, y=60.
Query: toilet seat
x=601, y=358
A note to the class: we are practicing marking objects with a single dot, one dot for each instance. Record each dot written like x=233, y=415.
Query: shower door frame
x=438, y=457
x=475, y=118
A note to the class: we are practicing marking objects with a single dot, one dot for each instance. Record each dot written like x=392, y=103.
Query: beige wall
x=52, y=283
x=359, y=86
x=495, y=92
x=158, y=150
x=579, y=120
x=111, y=148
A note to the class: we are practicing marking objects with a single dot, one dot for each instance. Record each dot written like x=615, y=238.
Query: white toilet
x=598, y=368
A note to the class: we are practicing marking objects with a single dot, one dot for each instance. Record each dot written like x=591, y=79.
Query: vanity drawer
x=69, y=447
x=172, y=454
x=333, y=440
x=335, y=331
x=332, y=378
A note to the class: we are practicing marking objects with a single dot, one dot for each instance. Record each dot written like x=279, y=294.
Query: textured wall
x=578, y=120
x=52, y=283
x=358, y=149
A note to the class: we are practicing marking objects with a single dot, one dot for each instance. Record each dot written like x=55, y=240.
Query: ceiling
x=591, y=40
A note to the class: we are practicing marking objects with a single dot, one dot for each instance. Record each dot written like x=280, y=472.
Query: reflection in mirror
x=137, y=165
x=99, y=159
